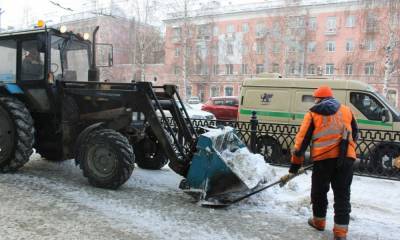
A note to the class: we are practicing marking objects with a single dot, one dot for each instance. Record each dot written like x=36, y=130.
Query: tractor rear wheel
x=106, y=158
x=16, y=134
x=149, y=155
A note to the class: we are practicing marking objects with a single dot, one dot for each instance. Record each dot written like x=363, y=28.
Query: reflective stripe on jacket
x=324, y=133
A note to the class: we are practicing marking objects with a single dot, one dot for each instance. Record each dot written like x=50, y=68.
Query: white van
x=286, y=100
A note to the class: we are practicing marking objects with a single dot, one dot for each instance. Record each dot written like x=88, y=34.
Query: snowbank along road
x=54, y=201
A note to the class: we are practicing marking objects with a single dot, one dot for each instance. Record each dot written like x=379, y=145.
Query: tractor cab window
x=368, y=105
x=8, y=66
x=32, y=64
x=69, y=59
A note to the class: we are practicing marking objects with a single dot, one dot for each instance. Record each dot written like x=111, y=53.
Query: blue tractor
x=51, y=100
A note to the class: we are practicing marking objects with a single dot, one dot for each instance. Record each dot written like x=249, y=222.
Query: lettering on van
x=266, y=98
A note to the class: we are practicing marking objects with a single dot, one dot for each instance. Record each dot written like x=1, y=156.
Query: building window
x=292, y=46
x=177, y=52
x=296, y=22
x=369, y=69
x=230, y=28
x=188, y=91
x=244, y=69
x=312, y=23
x=349, y=69
x=176, y=34
x=331, y=25
x=329, y=69
x=204, y=31
x=229, y=48
x=350, y=21
x=228, y=69
x=245, y=27
x=311, y=69
x=311, y=46
x=176, y=70
x=349, y=45
x=260, y=30
x=275, y=68
x=372, y=23
x=260, y=47
x=214, y=91
x=228, y=91
x=395, y=20
x=330, y=46
x=276, y=47
x=216, y=69
x=259, y=68
x=370, y=44
x=215, y=31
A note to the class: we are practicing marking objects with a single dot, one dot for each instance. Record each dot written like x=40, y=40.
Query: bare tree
x=147, y=37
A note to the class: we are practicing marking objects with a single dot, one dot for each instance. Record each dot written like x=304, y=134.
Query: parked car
x=224, y=108
x=194, y=100
x=192, y=112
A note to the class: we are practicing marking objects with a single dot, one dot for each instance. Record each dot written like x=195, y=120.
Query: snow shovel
x=222, y=203
x=210, y=175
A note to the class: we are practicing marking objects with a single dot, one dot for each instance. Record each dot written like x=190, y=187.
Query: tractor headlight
x=63, y=29
x=86, y=36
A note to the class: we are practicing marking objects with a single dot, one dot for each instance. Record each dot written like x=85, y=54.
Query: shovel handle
x=285, y=179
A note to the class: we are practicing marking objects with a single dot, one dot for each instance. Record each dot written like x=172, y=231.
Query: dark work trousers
x=326, y=173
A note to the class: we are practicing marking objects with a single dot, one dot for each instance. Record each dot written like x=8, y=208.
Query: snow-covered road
x=54, y=201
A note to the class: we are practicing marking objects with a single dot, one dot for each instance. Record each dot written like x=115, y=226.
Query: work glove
x=294, y=168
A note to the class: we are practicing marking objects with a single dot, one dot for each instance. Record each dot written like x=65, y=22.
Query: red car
x=224, y=108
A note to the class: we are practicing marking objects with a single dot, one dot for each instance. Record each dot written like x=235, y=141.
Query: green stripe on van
x=266, y=113
x=376, y=123
x=301, y=116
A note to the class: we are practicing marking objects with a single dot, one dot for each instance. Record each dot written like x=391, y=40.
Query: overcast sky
x=20, y=12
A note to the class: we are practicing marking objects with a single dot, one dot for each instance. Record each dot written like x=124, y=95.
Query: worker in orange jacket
x=328, y=125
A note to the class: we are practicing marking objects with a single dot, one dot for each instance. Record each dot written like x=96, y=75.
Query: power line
x=60, y=6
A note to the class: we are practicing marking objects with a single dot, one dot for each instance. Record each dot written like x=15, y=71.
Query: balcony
x=330, y=31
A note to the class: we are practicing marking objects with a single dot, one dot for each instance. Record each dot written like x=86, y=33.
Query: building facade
x=214, y=49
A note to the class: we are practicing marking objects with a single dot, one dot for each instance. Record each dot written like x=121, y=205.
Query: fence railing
x=377, y=150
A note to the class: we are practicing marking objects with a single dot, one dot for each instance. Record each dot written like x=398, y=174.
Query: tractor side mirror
x=104, y=55
x=385, y=115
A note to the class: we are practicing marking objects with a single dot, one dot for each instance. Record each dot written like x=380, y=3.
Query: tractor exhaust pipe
x=93, y=74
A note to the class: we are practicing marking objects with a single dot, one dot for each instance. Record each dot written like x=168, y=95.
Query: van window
x=307, y=98
x=369, y=106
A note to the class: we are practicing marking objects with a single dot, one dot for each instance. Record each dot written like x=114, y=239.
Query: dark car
x=224, y=108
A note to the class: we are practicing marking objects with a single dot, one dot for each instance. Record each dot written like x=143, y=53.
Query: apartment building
x=222, y=45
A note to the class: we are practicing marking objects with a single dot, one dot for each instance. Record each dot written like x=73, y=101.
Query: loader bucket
x=214, y=173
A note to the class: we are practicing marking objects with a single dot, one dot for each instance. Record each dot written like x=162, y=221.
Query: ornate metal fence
x=377, y=151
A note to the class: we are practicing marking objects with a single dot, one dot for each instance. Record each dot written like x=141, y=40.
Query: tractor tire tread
x=25, y=134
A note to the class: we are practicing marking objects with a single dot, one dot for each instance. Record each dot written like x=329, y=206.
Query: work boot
x=340, y=238
x=340, y=232
x=317, y=223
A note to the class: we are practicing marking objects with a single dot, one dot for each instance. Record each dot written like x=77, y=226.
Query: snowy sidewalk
x=54, y=201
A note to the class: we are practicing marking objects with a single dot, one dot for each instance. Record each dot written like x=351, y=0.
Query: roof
x=23, y=31
x=306, y=83
x=214, y=10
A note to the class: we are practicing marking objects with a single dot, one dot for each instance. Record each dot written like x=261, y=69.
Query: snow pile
x=250, y=168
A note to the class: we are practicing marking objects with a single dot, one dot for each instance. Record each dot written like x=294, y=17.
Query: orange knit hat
x=323, y=92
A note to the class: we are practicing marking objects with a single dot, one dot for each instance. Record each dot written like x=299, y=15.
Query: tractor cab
x=34, y=60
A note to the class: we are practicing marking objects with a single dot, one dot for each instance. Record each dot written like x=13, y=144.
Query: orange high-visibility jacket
x=325, y=132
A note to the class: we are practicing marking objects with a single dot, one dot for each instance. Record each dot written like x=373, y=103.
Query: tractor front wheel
x=106, y=158
x=16, y=134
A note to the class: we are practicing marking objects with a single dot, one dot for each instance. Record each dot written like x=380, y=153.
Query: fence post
x=253, y=132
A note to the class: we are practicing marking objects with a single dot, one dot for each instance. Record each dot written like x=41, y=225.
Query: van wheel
x=383, y=159
x=270, y=148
